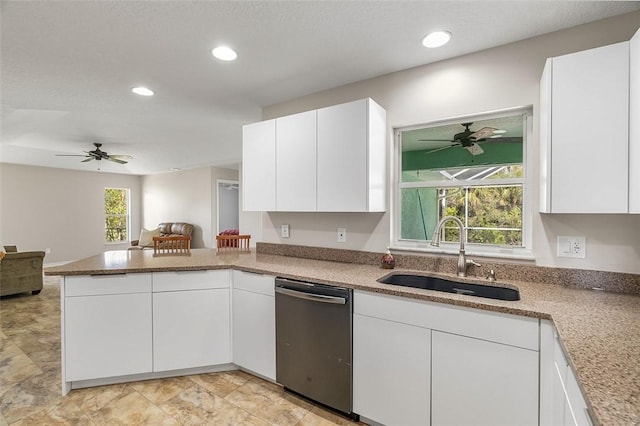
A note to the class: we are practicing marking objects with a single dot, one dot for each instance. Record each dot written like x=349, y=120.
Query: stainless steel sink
x=449, y=286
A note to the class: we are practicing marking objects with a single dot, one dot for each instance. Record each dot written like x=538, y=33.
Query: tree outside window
x=116, y=209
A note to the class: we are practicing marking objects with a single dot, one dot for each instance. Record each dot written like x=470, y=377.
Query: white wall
x=502, y=77
x=250, y=222
x=228, y=207
x=184, y=196
x=42, y=207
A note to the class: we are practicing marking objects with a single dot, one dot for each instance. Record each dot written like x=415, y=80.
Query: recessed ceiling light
x=224, y=53
x=142, y=91
x=436, y=39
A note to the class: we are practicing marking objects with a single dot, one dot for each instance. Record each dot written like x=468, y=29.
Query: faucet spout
x=435, y=241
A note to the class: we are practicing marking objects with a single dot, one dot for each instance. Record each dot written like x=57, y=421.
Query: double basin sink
x=450, y=286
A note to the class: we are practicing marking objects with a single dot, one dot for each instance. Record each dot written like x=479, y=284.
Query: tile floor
x=30, y=384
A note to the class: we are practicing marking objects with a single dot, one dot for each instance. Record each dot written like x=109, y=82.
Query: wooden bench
x=170, y=245
x=233, y=242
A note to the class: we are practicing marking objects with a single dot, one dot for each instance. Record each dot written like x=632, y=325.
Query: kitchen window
x=116, y=215
x=473, y=168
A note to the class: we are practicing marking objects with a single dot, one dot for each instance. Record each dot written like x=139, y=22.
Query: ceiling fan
x=98, y=154
x=470, y=139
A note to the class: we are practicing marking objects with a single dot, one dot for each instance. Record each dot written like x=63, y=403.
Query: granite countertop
x=600, y=331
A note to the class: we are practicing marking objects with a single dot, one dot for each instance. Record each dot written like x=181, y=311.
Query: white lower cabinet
x=391, y=370
x=191, y=319
x=477, y=382
x=569, y=407
x=254, y=326
x=422, y=363
x=190, y=329
x=107, y=326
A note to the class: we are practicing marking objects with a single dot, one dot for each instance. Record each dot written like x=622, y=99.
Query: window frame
x=127, y=215
x=486, y=250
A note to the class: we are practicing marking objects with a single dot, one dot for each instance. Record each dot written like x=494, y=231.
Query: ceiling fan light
x=224, y=53
x=142, y=91
x=436, y=39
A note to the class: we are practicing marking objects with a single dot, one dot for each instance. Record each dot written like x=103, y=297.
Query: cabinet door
x=296, y=162
x=576, y=413
x=634, y=124
x=191, y=329
x=482, y=383
x=391, y=371
x=590, y=131
x=559, y=380
x=259, y=166
x=571, y=404
x=107, y=336
x=342, y=157
x=254, y=332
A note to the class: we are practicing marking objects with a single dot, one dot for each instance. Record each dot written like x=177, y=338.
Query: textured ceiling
x=67, y=67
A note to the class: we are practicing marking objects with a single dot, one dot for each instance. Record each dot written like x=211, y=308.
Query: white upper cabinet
x=259, y=166
x=584, y=132
x=329, y=160
x=296, y=162
x=634, y=124
x=351, y=157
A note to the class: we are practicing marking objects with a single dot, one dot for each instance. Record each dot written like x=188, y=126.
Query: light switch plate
x=284, y=231
x=575, y=247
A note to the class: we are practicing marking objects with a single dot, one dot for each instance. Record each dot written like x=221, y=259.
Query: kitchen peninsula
x=598, y=330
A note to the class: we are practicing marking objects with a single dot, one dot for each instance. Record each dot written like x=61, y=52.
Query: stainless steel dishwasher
x=314, y=342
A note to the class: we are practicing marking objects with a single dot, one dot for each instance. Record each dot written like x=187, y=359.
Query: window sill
x=470, y=250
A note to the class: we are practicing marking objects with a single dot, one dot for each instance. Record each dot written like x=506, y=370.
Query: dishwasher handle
x=311, y=296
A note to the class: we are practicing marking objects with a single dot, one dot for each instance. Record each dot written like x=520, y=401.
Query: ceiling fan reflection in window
x=98, y=154
x=470, y=139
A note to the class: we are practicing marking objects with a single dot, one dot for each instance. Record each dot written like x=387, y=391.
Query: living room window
x=472, y=168
x=116, y=215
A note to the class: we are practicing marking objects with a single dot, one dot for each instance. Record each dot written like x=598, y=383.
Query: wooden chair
x=171, y=245
x=233, y=242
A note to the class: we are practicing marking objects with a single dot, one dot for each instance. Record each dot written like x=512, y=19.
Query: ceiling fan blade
x=439, y=149
x=474, y=149
x=70, y=155
x=483, y=133
x=121, y=157
x=508, y=139
x=88, y=159
x=436, y=140
x=115, y=160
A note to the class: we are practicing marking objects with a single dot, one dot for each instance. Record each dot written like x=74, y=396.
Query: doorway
x=228, y=204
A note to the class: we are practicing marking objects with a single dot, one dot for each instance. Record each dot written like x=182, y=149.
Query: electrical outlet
x=342, y=235
x=575, y=247
x=284, y=231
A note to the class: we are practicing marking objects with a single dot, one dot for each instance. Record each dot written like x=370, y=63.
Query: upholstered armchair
x=21, y=272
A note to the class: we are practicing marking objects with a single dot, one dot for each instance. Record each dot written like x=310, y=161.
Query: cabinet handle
x=310, y=296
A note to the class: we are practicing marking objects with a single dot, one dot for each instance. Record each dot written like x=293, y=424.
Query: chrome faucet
x=463, y=262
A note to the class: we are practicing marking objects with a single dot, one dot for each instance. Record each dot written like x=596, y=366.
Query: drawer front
x=94, y=285
x=190, y=280
x=255, y=283
x=497, y=327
